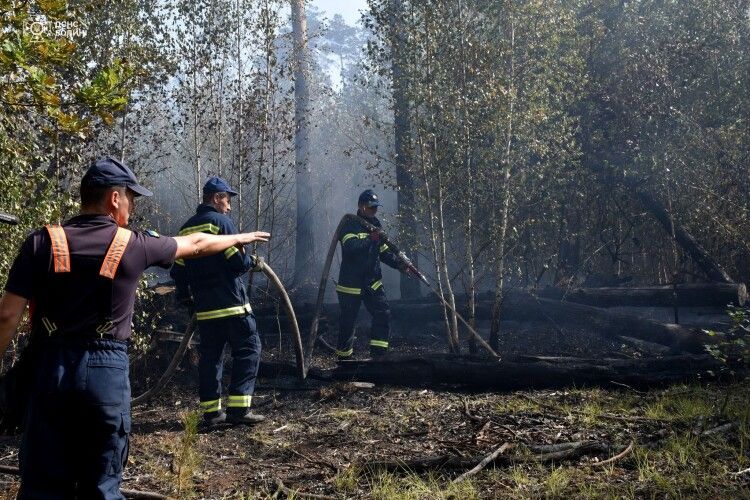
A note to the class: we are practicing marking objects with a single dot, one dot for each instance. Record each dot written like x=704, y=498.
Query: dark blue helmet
x=218, y=185
x=369, y=199
x=108, y=172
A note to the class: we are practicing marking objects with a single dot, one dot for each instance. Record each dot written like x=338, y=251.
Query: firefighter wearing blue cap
x=213, y=288
x=361, y=279
x=79, y=280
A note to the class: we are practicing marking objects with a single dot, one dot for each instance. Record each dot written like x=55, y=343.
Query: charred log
x=528, y=372
x=524, y=307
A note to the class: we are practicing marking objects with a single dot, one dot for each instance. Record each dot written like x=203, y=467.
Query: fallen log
x=527, y=372
x=688, y=295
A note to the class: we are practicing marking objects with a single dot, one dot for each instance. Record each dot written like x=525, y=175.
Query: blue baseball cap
x=108, y=172
x=369, y=198
x=218, y=185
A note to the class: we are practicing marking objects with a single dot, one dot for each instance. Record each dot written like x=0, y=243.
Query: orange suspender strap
x=60, y=252
x=115, y=252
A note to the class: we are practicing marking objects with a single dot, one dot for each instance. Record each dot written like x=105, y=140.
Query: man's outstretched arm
x=198, y=245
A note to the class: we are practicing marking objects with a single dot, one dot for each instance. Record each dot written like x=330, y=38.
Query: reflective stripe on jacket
x=214, y=282
x=361, y=258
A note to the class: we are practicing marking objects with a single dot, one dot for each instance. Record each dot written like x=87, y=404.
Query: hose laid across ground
x=176, y=360
x=187, y=337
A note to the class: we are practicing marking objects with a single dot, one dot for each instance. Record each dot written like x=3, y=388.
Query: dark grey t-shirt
x=74, y=301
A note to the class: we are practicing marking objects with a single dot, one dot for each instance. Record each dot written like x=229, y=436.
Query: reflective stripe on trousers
x=211, y=406
x=348, y=290
x=224, y=313
x=241, y=401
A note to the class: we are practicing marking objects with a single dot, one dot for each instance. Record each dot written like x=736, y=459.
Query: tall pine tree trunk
x=240, y=120
x=196, y=143
x=405, y=195
x=304, y=258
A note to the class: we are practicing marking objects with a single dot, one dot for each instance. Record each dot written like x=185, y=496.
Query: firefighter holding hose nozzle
x=360, y=278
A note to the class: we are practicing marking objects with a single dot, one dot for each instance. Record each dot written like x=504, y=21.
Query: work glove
x=258, y=264
x=410, y=271
x=377, y=236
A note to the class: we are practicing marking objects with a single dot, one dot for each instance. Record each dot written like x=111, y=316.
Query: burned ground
x=345, y=440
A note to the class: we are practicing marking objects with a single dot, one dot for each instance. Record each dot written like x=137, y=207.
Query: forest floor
x=688, y=441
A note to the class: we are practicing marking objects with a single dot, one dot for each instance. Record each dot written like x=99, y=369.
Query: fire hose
x=404, y=260
x=188, y=336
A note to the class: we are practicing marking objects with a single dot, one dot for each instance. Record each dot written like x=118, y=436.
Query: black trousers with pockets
x=241, y=333
x=75, y=438
x=377, y=305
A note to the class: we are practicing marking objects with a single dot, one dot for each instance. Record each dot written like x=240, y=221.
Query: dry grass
x=671, y=458
x=414, y=487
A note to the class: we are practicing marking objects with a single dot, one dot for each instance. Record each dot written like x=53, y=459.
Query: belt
x=41, y=334
x=74, y=337
x=102, y=331
x=80, y=342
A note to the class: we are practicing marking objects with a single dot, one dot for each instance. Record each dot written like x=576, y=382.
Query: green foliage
x=687, y=407
x=50, y=78
x=557, y=482
x=104, y=93
x=54, y=100
x=548, y=106
x=146, y=315
x=20, y=185
x=733, y=347
x=347, y=480
x=185, y=456
x=48, y=104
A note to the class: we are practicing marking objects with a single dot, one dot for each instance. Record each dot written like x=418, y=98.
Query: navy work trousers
x=377, y=305
x=241, y=334
x=75, y=437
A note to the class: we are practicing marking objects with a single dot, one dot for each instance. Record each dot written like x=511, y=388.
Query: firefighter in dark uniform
x=80, y=279
x=214, y=288
x=360, y=279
